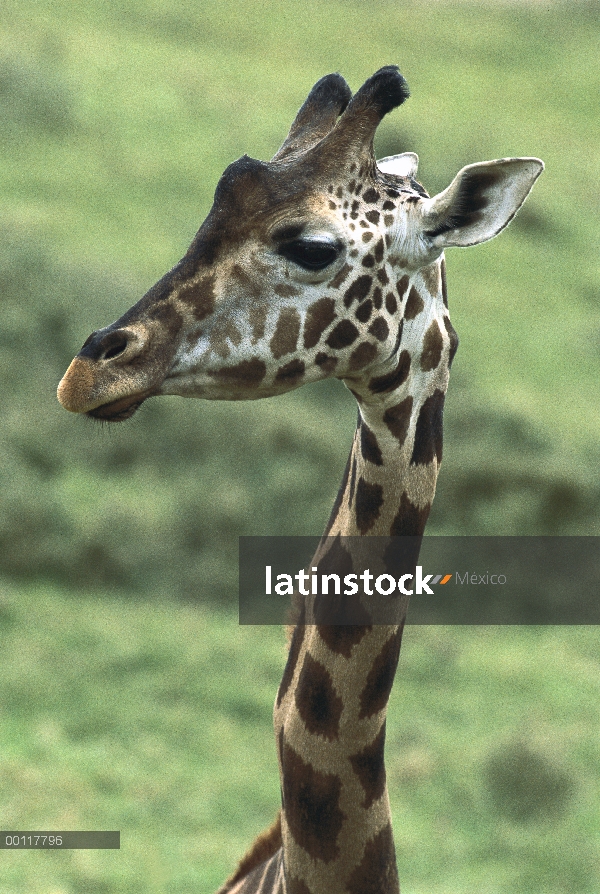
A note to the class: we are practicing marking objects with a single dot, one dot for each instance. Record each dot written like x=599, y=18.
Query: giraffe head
x=307, y=266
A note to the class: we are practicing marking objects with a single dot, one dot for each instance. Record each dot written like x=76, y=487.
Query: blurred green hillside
x=117, y=122
x=159, y=725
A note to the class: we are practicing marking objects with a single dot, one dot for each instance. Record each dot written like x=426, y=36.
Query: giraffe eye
x=310, y=253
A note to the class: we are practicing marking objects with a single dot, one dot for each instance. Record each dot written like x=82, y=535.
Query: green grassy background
x=120, y=698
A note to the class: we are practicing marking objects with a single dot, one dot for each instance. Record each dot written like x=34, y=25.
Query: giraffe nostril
x=107, y=347
x=114, y=345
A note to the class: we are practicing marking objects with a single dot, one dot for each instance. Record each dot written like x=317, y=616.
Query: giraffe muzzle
x=103, y=380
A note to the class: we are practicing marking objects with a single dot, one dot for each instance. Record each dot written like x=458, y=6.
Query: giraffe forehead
x=256, y=188
x=264, y=203
x=250, y=188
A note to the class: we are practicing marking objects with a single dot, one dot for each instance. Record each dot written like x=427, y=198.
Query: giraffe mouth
x=118, y=410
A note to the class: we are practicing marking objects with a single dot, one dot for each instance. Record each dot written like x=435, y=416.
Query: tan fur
x=76, y=385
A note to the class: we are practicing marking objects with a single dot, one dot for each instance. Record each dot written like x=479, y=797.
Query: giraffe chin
x=118, y=410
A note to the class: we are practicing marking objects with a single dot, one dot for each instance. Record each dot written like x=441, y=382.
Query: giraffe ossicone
x=320, y=263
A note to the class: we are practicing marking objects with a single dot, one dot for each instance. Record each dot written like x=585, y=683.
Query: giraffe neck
x=331, y=707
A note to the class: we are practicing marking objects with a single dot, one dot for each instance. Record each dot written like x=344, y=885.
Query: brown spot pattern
x=378, y=686
x=433, y=344
x=429, y=430
x=453, y=340
x=342, y=335
x=398, y=336
x=257, y=319
x=287, y=330
x=361, y=356
x=377, y=873
x=369, y=447
x=364, y=310
x=391, y=305
x=247, y=373
x=380, y=329
x=377, y=297
x=371, y=196
x=286, y=291
x=402, y=554
x=311, y=806
x=369, y=500
x=317, y=701
x=431, y=278
x=290, y=373
x=338, y=609
x=326, y=362
x=372, y=216
x=402, y=286
x=414, y=304
x=342, y=638
x=339, y=277
x=199, y=296
x=358, y=289
x=410, y=521
x=318, y=317
x=397, y=419
x=382, y=276
x=369, y=767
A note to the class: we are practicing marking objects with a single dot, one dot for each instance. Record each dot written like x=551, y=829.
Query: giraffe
x=322, y=262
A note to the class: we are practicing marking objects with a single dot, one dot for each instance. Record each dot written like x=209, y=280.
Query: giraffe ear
x=323, y=106
x=481, y=200
x=404, y=165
